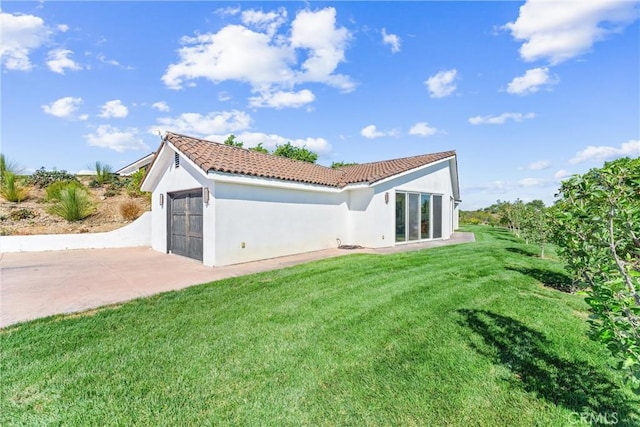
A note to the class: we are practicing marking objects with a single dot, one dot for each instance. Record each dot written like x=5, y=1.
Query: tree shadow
x=524, y=252
x=549, y=278
x=573, y=384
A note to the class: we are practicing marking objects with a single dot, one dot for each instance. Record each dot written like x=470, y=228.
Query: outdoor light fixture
x=205, y=194
x=386, y=198
x=161, y=199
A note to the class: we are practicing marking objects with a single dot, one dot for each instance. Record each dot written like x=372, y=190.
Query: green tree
x=535, y=224
x=336, y=165
x=297, y=153
x=596, y=226
x=260, y=149
x=231, y=140
x=512, y=215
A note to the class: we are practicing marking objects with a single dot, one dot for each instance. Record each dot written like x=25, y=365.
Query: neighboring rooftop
x=214, y=156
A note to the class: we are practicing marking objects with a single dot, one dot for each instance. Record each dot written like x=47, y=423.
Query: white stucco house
x=225, y=205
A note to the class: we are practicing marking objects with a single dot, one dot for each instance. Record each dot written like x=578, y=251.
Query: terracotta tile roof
x=213, y=156
x=376, y=171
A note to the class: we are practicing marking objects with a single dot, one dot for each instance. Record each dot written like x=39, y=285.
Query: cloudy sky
x=526, y=92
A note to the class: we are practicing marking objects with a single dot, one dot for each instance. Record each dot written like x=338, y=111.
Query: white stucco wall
x=138, y=233
x=273, y=222
x=370, y=218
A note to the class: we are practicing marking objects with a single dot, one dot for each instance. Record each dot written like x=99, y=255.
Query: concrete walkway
x=40, y=284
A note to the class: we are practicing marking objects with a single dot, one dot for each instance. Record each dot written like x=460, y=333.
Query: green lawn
x=465, y=335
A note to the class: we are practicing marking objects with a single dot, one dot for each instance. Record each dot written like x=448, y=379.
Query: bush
x=43, y=178
x=74, y=204
x=20, y=214
x=53, y=190
x=111, y=192
x=11, y=189
x=104, y=174
x=134, y=183
x=130, y=210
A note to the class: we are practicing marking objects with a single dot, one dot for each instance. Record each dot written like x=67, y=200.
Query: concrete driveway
x=40, y=284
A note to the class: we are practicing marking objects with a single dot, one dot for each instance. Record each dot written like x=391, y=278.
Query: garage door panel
x=186, y=224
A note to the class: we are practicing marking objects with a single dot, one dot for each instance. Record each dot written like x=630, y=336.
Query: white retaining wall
x=138, y=233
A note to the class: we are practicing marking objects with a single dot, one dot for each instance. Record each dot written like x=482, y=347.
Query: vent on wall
x=176, y=160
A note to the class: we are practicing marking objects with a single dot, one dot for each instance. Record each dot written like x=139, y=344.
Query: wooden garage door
x=185, y=223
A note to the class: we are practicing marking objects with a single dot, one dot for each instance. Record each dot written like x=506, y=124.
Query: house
x=134, y=167
x=225, y=205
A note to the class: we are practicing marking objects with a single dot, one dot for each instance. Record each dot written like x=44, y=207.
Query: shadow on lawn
x=524, y=252
x=575, y=385
x=552, y=279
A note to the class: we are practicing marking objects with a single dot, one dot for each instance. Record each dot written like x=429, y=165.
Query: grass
x=463, y=335
x=74, y=203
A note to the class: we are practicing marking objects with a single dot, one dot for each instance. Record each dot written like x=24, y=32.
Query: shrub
x=111, y=192
x=134, y=183
x=130, y=210
x=11, y=189
x=43, y=178
x=104, y=174
x=8, y=166
x=20, y=214
x=53, y=190
x=74, y=204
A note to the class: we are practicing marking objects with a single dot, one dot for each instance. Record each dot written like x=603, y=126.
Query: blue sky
x=526, y=92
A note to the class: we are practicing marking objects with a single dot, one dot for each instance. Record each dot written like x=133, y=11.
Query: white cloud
x=264, y=58
x=539, y=165
x=102, y=58
x=501, y=119
x=267, y=21
x=442, y=84
x=20, y=34
x=561, y=30
x=228, y=11
x=64, y=108
x=214, y=123
x=58, y=60
x=281, y=99
x=603, y=152
x=107, y=136
x=160, y=106
x=531, y=81
x=63, y=28
x=561, y=174
x=114, y=109
x=422, y=129
x=391, y=40
x=233, y=53
x=325, y=44
x=372, y=132
x=224, y=96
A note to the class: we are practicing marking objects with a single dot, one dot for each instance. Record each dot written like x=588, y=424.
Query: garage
x=184, y=222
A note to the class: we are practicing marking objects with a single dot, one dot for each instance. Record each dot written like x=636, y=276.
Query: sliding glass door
x=418, y=216
x=401, y=217
x=425, y=214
